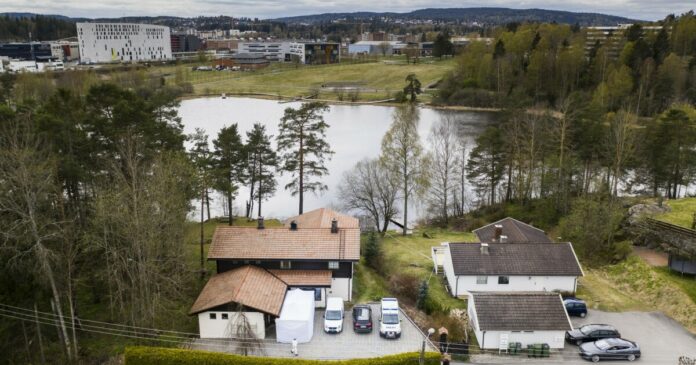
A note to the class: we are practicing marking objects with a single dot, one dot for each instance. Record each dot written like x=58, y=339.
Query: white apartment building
x=123, y=42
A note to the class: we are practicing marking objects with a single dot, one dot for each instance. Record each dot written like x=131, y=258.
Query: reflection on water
x=355, y=133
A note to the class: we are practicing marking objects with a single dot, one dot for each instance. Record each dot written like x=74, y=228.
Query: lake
x=355, y=133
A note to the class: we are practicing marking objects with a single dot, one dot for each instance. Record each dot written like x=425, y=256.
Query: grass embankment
x=635, y=285
x=375, y=80
x=681, y=213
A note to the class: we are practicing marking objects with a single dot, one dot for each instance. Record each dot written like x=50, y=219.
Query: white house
x=499, y=319
x=510, y=267
x=123, y=42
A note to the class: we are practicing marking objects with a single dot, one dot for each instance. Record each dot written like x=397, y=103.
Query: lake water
x=355, y=133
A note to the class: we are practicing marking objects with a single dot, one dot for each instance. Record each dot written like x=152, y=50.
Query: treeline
x=41, y=28
x=94, y=193
x=642, y=70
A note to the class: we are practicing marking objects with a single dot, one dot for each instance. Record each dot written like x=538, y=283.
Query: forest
x=38, y=27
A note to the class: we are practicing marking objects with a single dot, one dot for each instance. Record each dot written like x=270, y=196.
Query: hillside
x=484, y=16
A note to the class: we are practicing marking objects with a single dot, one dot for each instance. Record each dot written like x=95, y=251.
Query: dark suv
x=362, y=318
x=575, y=307
x=591, y=332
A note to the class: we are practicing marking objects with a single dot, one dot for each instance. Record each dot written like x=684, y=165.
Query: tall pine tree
x=229, y=165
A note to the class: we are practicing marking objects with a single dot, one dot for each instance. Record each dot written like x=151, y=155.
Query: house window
x=317, y=293
x=223, y=315
x=285, y=265
x=482, y=280
x=333, y=265
x=503, y=280
x=213, y=316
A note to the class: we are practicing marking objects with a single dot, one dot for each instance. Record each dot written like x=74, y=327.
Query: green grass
x=382, y=78
x=368, y=286
x=682, y=212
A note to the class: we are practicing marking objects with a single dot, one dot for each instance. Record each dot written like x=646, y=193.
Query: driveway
x=344, y=345
x=661, y=339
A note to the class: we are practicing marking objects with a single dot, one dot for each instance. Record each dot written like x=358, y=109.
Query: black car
x=575, y=307
x=591, y=333
x=362, y=318
x=610, y=349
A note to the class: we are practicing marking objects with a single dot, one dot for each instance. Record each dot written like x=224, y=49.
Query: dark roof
x=541, y=259
x=516, y=232
x=520, y=311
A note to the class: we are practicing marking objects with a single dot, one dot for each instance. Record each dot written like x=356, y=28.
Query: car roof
x=617, y=341
x=600, y=326
x=576, y=300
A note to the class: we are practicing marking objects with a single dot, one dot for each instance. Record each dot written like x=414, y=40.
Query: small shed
x=296, y=319
x=525, y=317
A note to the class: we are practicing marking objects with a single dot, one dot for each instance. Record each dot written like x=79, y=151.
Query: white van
x=390, y=319
x=333, y=317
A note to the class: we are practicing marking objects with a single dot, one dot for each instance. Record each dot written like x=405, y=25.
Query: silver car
x=610, y=349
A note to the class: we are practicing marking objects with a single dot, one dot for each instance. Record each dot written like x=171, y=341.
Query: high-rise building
x=123, y=42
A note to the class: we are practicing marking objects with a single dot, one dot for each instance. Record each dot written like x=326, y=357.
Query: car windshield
x=362, y=314
x=586, y=330
x=602, y=344
x=333, y=315
x=390, y=319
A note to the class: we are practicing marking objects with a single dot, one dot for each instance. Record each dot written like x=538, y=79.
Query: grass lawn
x=378, y=80
x=682, y=213
x=635, y=285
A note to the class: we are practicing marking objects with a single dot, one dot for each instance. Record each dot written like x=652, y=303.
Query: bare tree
x=620, y=146
x=445, y=147
x=242, y=332
x=370, y=188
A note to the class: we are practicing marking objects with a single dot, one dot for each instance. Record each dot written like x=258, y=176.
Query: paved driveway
x=344, y=345
x=661, y=339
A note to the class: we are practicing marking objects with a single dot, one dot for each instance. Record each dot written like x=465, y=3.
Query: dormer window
x=333, y=265
x=285, y=265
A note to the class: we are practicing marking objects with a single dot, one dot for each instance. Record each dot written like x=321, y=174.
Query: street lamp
x=421, y=360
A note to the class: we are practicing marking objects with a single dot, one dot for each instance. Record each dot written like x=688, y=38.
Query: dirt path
x=652, y=257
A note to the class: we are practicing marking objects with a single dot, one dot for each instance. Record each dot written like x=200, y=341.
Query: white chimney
x=498, y=232
x=503, y=238
x=484, y=249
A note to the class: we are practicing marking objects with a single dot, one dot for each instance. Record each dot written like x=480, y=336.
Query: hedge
x=170, y=356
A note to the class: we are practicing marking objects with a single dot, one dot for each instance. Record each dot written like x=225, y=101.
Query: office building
x=32, y=51
x=123, y=42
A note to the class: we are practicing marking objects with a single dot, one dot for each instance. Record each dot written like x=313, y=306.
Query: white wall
x=449, y=273
x=226, y=328
x=516, y=283
x=491, y=339
x=121, y=42
x=341, y=287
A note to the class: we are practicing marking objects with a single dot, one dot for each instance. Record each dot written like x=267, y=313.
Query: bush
x=373, y=253
x=405, y=286
x=170, y=356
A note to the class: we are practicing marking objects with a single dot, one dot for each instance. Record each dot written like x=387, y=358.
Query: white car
x=333, y=317
x=390, y=319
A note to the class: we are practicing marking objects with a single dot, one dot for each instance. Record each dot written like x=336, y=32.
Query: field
x=376, y=80
x=682, y=213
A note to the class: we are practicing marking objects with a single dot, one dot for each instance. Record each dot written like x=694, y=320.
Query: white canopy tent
x=296, y=319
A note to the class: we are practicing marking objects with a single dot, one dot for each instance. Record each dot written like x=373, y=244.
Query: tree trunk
x=301, y=177
x=229, y=208
x=260, y=193
x=202, y=235
x=207, y=201
x=38, y=333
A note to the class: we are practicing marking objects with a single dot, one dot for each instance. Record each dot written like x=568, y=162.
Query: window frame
x=224, y=316
x=334, y=265
x=212, y=316
x=503, y=280
x=481, y=282
x=285, y=264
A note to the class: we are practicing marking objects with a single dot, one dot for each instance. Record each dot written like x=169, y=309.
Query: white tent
x=296, y=317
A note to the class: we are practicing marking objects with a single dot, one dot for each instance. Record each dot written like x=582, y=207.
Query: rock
x=645, y=210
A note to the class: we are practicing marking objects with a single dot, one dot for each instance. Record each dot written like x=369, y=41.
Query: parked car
x=333, y=317
x=610, y=349
x=591, y=333
x=575, y=307
x=362, y=318
x=389, y=318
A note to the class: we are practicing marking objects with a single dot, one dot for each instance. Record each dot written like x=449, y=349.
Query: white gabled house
x=510, y=267
x=501, y=318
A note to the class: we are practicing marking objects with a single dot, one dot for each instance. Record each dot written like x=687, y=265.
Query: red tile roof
x=321, y=218
x=304, y=277
x=250, y=286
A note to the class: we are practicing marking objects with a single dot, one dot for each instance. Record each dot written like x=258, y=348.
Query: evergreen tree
x=485, y=167
x=262, y=162
x=229, y=165
x=413, y=87
x=442, y=46
x=304, y=149
x=373, y=251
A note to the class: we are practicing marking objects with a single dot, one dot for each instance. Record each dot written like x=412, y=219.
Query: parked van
x=333, y=317
x=390, y=319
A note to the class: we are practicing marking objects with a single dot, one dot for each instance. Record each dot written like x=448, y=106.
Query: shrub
x=373, y=252
x=170, y=356
x=405, y=286
x=422, y=296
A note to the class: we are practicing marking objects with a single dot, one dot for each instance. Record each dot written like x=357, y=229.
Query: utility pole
x=421, y=360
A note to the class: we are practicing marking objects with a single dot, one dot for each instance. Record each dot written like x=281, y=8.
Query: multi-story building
x=185, y=43
x=612, y=37
x=65, y=50
x=31, y=51
x=309, y=53
x=123, y=42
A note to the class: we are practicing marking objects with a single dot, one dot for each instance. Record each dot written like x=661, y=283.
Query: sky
x=636, y=9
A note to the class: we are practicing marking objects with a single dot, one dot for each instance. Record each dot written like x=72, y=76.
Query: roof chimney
x=498, y=232
x=484, y=249
x=293, y=226
x=260, y=223
x=334, y=226
x=503, y=239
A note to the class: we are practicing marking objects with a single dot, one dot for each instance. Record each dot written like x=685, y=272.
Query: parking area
x=661, y=339
x=344, y=345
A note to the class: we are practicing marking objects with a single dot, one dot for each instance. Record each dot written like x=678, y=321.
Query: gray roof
x=539, y=259
x=520, y=311
x=516, y=232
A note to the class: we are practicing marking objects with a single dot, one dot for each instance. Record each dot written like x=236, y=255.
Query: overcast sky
x=638, y=9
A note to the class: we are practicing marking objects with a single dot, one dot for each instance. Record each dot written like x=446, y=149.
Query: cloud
x=640, y=9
